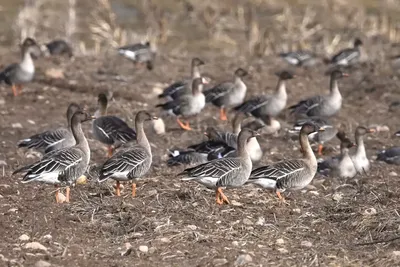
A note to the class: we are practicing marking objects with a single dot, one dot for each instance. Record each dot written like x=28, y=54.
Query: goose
x=292, y=174
x=110, y=130
x=64, y=166
x=349, y=56
x=53, y=140
x=265, y=125
x=187, y=105
x=301, y=58
x=183, y=87
x=23, y=72
x=132, y=161
x=57, y=47
x=270, y=105
x=322, y=106
x=360, y=160
x=228, y=94
x=139, y=53
x=225, y=172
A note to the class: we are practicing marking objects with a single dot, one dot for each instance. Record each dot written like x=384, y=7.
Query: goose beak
x=346, y=75
x=154, y=118
x=92, y=117
x=371, y=130
x=321, y=129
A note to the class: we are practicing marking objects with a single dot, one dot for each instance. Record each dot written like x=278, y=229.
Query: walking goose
x=110, y=130
x=341, y=165
x=187, y=105
x=183, y=87
x=23, y=72
x=53, y=140
x=270, y=105
x=225, y=172
x=360, y=160
x=130, y=162
x=57, y=47
x=64, y=166
x=228, y=94
x=348, y=56
x=139, y=53
x=292, y=174
x=322, y=106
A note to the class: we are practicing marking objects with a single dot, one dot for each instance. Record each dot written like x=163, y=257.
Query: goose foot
x=110, y=151
x=222, y=114
x=220, y=197
x=281, y=198
x=184, y=126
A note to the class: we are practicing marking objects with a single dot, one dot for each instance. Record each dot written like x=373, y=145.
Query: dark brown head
x=71, y=110
x=147, y=43
x=361, y=131
x=143, y=116
x=30, y=45
x=81, y=116
x=346, y=143
x=102, y=100
x=397, y=133
x=211, y=133
x=285, y=75
x=310, y=128
x=240, y=73
x=246, y=134
x=338, y=74
x=357, y=42
x=197, y=62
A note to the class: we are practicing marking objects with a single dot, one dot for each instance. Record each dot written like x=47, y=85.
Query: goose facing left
x=64, y=166
x=139, y=53
x=23, y=72
x=53, y=140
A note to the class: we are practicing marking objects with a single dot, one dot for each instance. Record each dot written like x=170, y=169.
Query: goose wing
x=347, y=55
x=218, y=91
x=309, y=107
x=218, y=168
x=253, y=104
x=279, y=170
x=173, y=89
x=45, y=139
x=113, y=128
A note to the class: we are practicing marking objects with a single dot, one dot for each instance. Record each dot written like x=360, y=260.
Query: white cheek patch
x=312, y=135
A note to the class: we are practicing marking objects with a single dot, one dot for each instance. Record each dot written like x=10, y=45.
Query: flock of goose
x=226, y=159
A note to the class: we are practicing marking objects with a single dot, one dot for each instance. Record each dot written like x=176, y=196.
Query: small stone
x=247, y=221
x=47, y=237
x=3, y=163
x=31, y=122
x=243, y=259
x=16, y=125
x=393, y=173
x=236, y=203
x=152, y=192
x=260, y=221
x=35, y=246
x=42, y=263
x=192, y=227
x=235, y=243
x=337, y=196
x=369, y=212
x=144, y=249
x=12, y=210
x=165, y=240
x=306, y=244
x=283, y=250
x=55, y=73
x=280, y=241
x=81, y=180
x=159, y=126
x=297, y=210
x=152, y=250
x=24, y=237
x=219, y=262
x=396, y=253
x=128, y=249
x=61, y=197
x=315, y=193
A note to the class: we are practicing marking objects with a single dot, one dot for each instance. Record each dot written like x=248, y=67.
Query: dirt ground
x=179, y=223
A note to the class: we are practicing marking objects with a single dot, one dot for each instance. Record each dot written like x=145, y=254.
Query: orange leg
x=67, y=194
x=133, y=190
x=218, y=198
x=183, y=125
x=15, y=90
x=110, y=151
x=222, y=114
x=117, y=189
x=57, y=192
x=19, y=89
x=282, y=199
x=222, y=196
x=320, y=147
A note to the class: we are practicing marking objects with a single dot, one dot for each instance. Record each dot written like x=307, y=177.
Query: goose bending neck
x=141, y=136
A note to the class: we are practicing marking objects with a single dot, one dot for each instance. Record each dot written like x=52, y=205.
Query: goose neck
x=306, y=148
x=78, y=134
x=334, y=87
x=141, y=136
x=281, y=89
x=195, y=72
x=242, y=147
x=360, y=145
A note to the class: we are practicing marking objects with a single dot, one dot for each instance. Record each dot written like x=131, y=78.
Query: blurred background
x=232, y=27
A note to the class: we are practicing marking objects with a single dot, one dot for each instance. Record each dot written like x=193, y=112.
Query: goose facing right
x=291, y=174
x=349, y=56
x=225, y=172
x=139, y=53
x=360, y=160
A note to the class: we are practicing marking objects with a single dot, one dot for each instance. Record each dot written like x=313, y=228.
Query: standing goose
x=57, y=47
x=53, y=140
x=322, y=106
x=187, y=105
x=19, y=73
x=348, y=56
x=342, y=165
x=110, y=130
x=225, y=172
x=180, y=88
x=139, y=53
x=228, y=94
x=321, y=137
x=270, y=105
x=64, y=166
x=302, y=58
x=292, y=174
x=360, y=160
x=132, y=161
